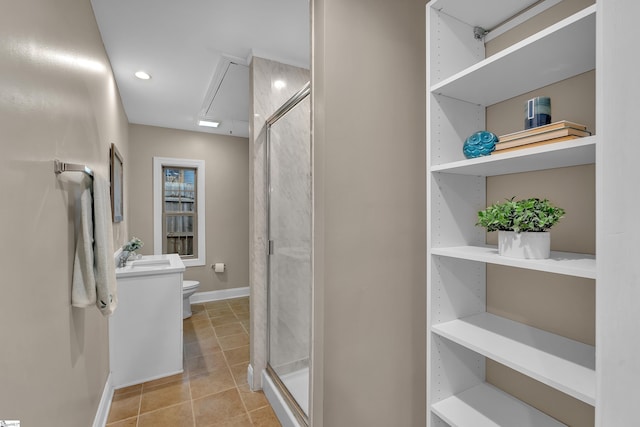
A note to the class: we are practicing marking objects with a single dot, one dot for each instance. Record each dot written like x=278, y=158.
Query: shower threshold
x=297, y=384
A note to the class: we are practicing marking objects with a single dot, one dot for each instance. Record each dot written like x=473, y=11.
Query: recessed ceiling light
x=208, y=123
x=142, y=75
x=279, y=84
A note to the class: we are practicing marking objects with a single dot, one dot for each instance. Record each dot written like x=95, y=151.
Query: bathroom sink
x=156, y=263
x=150, y=264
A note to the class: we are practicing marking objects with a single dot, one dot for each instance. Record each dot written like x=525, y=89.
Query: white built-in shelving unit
x=461, y=83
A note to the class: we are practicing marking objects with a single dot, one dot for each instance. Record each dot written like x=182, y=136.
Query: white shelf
x=461, y=82
x=560, y=51
x=561, y=363
x=567, y=263
x=580, y=151
x=486, y=406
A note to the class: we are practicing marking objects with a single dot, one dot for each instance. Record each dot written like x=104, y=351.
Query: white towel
x=83, y=289
x=105, y=270
x=94, y=274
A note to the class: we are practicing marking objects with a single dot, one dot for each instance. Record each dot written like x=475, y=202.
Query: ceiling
x=197, y=52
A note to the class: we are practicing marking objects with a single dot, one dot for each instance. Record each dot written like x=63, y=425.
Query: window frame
x=158, y=181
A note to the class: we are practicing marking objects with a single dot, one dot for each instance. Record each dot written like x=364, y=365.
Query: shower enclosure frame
x=293, y=405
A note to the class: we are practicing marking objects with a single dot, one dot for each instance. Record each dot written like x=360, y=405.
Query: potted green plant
x=522, y=226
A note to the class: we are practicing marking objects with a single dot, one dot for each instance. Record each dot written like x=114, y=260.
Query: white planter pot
x=527, y=245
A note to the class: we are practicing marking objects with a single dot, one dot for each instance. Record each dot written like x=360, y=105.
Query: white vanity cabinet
x=145, y=331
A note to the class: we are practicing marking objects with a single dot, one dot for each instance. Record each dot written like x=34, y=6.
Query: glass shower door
x=289, y=266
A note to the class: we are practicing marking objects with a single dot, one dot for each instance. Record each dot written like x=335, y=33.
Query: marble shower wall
x=266, y=98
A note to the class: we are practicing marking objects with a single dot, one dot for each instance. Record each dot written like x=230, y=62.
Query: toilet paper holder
x=219, y=267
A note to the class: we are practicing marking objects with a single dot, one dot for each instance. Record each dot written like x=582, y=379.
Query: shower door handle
x=270, y=247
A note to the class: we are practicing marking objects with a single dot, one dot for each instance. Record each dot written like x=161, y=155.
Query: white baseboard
x=222, y=294
x=105, y=404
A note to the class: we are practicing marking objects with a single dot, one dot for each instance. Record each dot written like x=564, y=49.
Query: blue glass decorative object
x=481, y=143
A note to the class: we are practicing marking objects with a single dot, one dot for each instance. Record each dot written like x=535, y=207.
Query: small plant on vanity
x=522, y=226
x=129, y=249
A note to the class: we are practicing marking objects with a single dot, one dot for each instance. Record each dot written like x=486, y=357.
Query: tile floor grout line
x=161, y=408
x=193, y=412
x=139, y=405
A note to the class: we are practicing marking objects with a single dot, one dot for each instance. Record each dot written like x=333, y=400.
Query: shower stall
x=289, y=253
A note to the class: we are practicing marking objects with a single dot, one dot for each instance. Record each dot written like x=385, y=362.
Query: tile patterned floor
x=213, y=390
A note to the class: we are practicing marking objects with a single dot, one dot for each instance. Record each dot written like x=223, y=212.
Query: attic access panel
x=229, y=94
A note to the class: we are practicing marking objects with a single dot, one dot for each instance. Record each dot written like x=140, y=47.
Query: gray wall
x=227, y=197
x=369, y=248
x=58, y=99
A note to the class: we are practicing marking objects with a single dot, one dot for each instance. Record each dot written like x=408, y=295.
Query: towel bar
x=59, y=167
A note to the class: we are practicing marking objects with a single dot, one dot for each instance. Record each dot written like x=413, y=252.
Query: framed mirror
x=116, y=184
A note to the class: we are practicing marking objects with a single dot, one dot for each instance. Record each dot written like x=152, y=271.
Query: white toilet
x=189, y=287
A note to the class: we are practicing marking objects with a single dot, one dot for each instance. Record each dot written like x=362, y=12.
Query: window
x=179, y=220
x=178, y=225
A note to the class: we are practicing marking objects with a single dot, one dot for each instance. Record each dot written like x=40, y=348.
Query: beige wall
x=227, y=197
x=556, y=303
x=58, y=100
x=368, y=91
